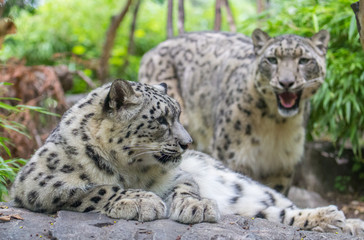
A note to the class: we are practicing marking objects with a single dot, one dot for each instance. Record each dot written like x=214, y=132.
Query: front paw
x=137, y=205
x=328, y=219
x=354, y=227
x=193, y=210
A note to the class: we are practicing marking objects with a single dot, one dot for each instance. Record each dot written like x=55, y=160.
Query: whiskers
x=144, y=153
x=156, y=151
x=168, y=158
x=313, y=82
x=140, y=146
x=265, y=87
x=141, y=149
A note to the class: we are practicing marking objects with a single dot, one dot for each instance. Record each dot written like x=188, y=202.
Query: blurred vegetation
x=72, y=32
x=10, y=166
x=55, y=34
x=13, y=6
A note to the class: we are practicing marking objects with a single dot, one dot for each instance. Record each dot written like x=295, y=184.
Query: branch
x=86, y=79
x=260, y=6
x=181, y=17
x=170, y=19
x=217, y=24
x=358, y=9
x=230, y=16
x=109, y=42
x=131, y=36
x=6, y=27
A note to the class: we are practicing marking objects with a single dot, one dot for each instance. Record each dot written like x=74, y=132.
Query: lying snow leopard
x=243, y=100
x=121, y=151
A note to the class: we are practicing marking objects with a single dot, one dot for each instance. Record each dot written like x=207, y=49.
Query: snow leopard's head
x=290, y=68
x=146, y=121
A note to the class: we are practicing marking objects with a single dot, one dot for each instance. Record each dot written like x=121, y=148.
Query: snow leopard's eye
x=304, y=61
x=162, y=120
x=272, y=60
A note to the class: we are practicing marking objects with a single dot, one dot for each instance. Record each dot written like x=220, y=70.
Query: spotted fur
x=121, y=151
x=243, y=98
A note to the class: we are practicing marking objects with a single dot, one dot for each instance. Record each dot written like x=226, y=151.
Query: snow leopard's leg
x=186, y=204
x=111, y=200
x=275, y=207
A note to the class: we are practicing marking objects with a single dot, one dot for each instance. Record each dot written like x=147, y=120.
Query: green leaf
x=6, y=84
x=11, y=127
x=8, y=107
x=78, y=50
x=9, y=98
x=38, y=109
x=315, y=22
x=353, y=133
x=352, y=28
x=7, y=150
x=356, y=105
x=347, y=111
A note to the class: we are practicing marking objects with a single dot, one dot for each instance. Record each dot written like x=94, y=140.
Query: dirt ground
x=348, y=203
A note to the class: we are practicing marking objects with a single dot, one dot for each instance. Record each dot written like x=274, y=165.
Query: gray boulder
x=74, y=225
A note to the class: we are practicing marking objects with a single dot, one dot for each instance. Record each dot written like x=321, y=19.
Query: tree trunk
x=131, y=36
x=230, y=16
x=109, y=43
x=2, y=7
x=217, y=24
x=170, y=19
x=7, y=25
x=181, y=17
x=358, y=9
x=261, y=6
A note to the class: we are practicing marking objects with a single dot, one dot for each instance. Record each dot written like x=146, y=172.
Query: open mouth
x=288, y=101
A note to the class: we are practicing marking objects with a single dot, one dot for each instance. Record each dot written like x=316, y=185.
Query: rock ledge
x=73, y=225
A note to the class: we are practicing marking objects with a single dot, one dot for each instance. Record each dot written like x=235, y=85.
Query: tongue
x=287, y=99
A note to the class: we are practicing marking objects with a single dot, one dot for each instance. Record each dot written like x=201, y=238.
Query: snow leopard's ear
x=121, y=95
x=320, y=41
x=260, y=40
x=162, y=87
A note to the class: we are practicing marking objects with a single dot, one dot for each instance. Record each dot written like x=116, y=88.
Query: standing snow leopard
x=243, y=99
x=121, y=151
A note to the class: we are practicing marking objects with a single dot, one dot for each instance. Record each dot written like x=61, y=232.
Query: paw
x=328, y=219
x=138, y=205
x=193, y=210
x=354, y=227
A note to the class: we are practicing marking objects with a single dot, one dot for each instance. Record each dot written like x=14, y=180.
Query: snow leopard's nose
x=185, y=141
x=182, y=137
x=286, y=83
x=183, y=146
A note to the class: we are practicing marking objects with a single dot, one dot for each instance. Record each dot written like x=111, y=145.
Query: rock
x=74, y=98
x=320, y=168
x=306, y=199
x=74, y=225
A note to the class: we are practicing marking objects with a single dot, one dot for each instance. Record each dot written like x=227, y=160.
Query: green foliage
x=54, y=30
x=342, y=183
x=9, y=167
x=12, y=7
x=338, y=107
x=8, y=170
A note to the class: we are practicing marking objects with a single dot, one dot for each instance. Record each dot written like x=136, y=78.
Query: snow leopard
x=244, y=100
